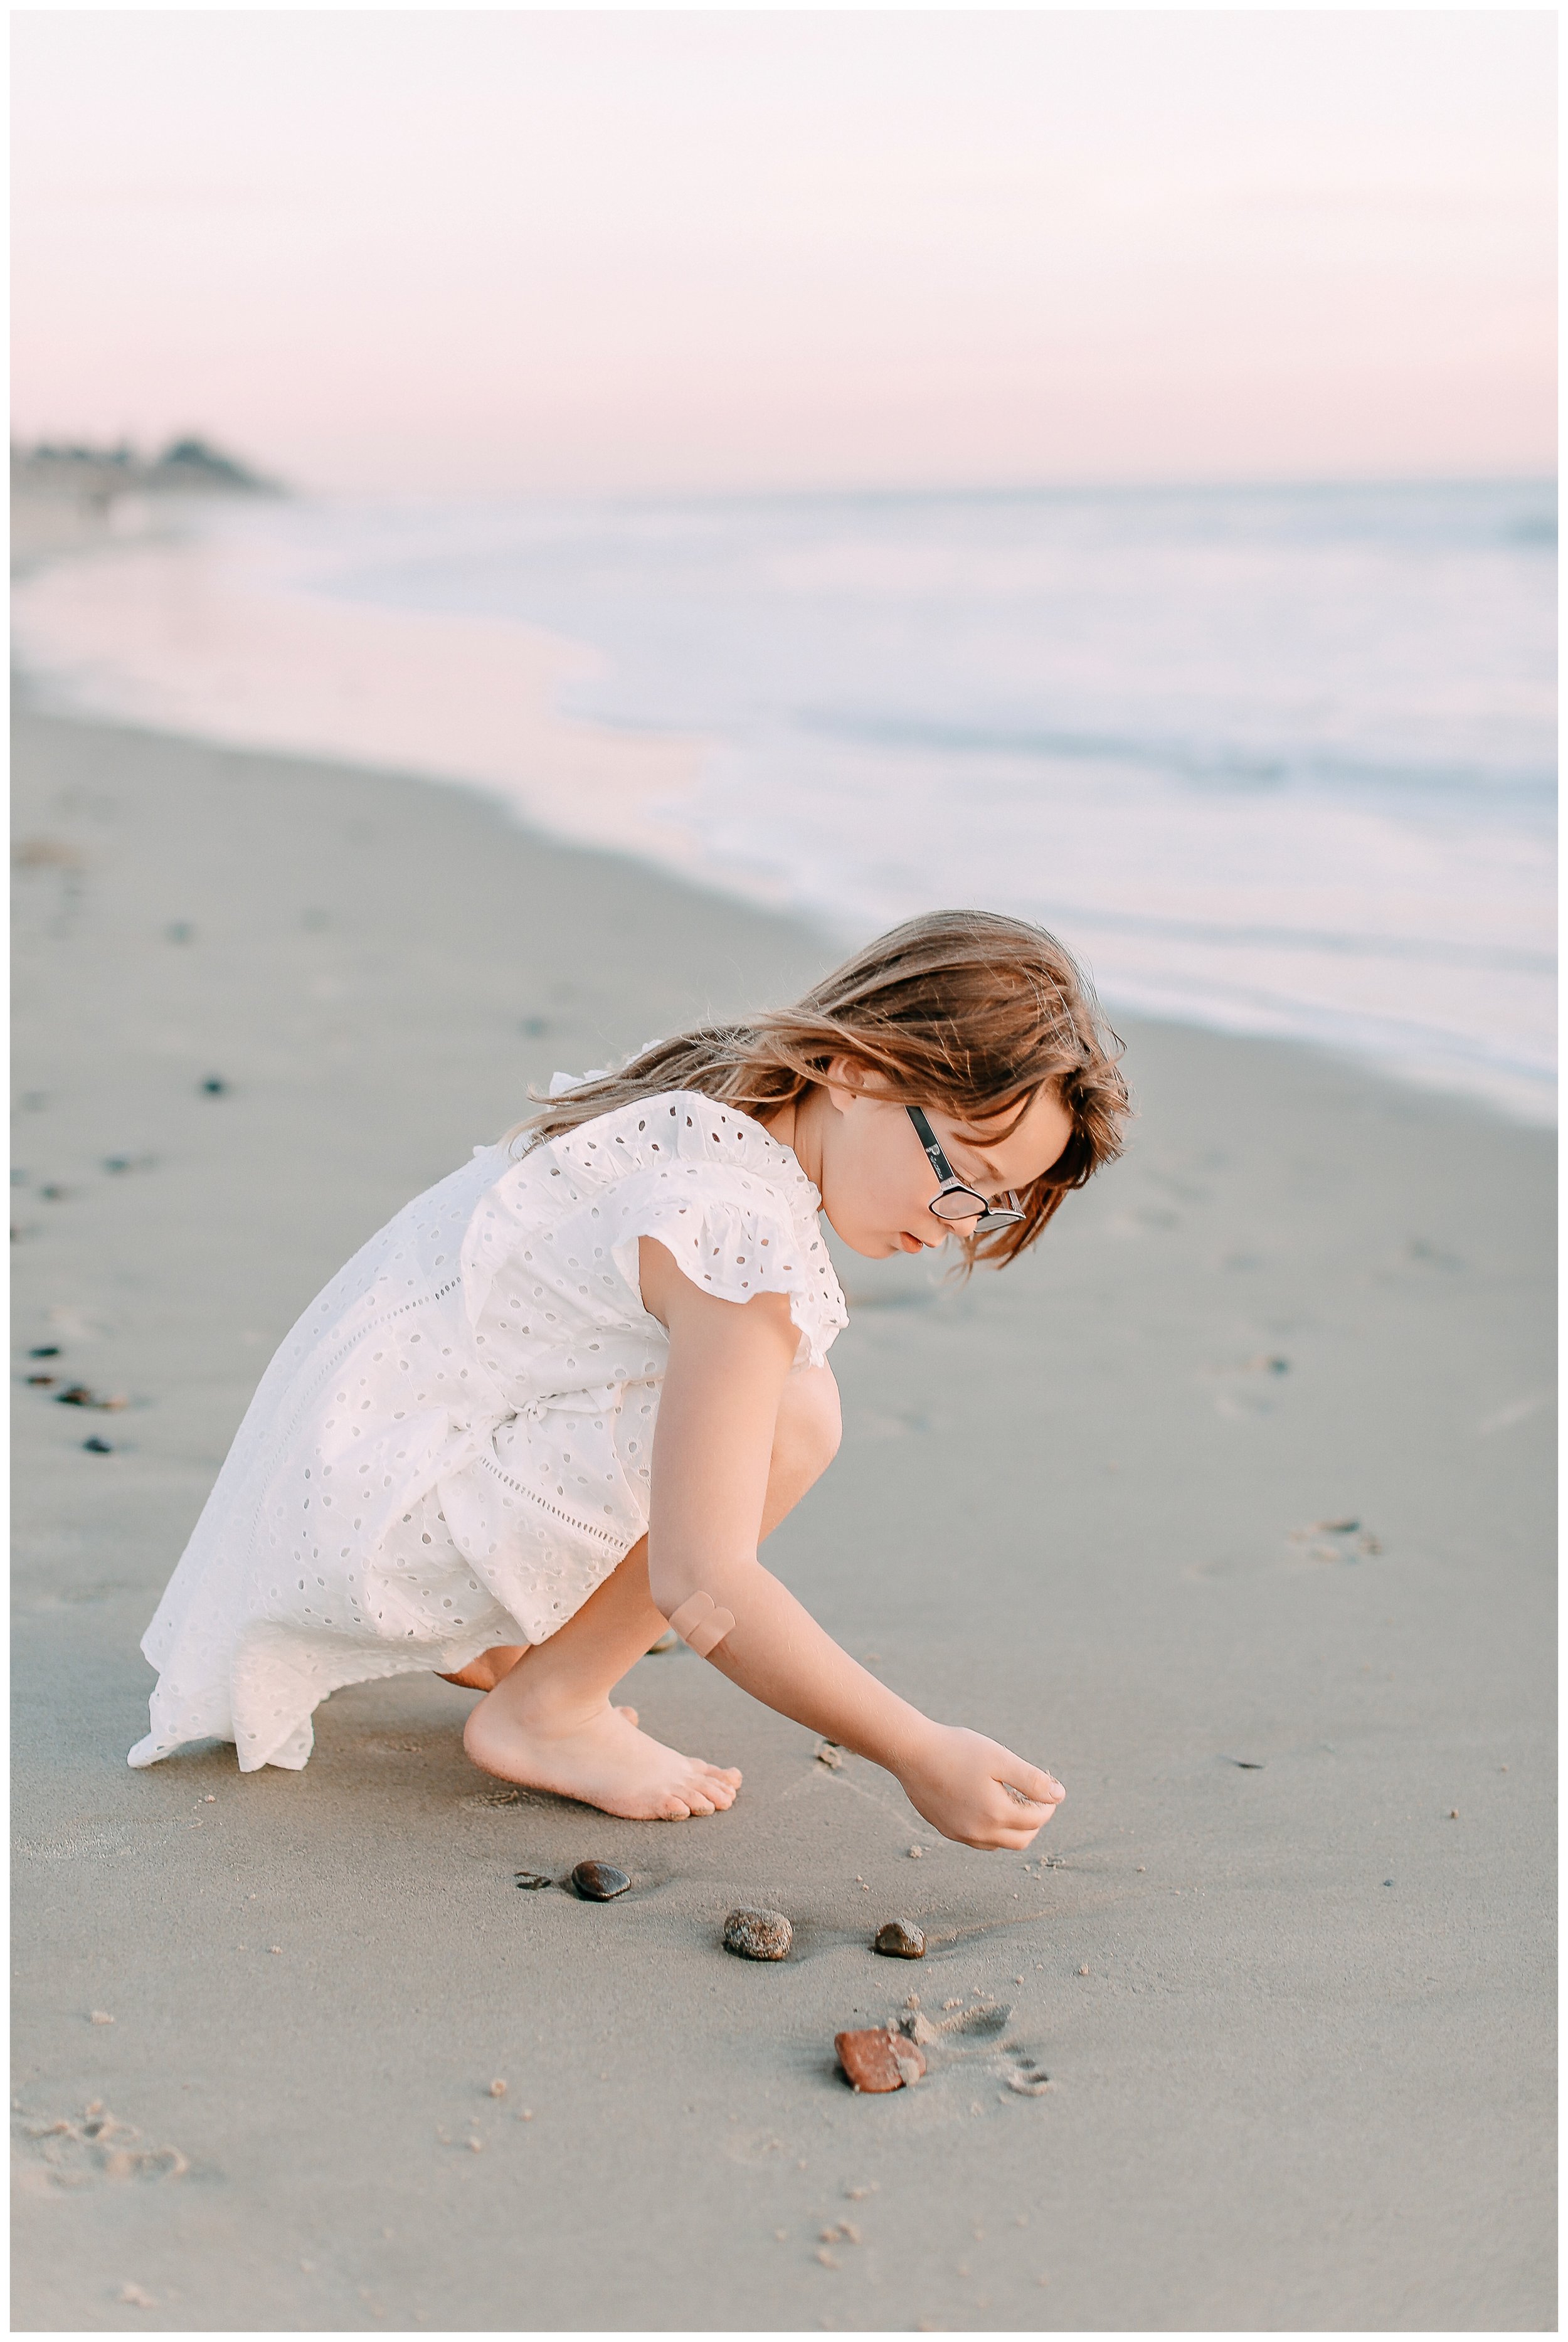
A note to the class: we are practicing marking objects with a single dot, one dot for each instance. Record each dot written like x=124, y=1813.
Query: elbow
x=669, y=1583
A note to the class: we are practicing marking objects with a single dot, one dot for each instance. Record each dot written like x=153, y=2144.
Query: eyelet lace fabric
x=451, y=1447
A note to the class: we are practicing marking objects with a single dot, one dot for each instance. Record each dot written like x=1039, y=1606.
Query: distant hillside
x=100, y=475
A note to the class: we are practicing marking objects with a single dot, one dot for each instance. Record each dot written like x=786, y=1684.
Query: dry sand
x=1297, y=2014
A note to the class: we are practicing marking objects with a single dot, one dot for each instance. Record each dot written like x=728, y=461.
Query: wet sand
x=1285, y=1954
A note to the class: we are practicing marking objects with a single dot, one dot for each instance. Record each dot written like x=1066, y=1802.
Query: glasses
x=953, y=1200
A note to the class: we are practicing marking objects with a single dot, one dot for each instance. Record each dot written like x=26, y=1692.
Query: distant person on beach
x=556, y=1404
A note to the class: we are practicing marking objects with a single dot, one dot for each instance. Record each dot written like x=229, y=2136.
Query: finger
x=1040, y=1789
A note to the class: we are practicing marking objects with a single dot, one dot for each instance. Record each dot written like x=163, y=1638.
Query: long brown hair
x=967, y=1011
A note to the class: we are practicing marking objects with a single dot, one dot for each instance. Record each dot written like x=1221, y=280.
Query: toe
x=629, y=1713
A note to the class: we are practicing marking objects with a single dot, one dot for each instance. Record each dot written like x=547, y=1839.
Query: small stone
x=46, y=1350
x=78, y=1395
x=913, y=2001
x=758, y=1935
x=215, y=1086
x=918, y=2027
x=876, y=2059
x=41, y=1382
x=531, y=1881
x=525, y=2114
x=1085, y=1969
x=476, y=2147
x=135, y=2298
x=498, y=2089
x=898, y=1939
x=825, y=2258
x=1453, y=1813
x=916, y=1853
x=599, y=1882
x=829, y=1752
x=98, y=2017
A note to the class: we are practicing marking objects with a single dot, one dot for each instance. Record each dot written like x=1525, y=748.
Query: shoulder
x=686, y=1135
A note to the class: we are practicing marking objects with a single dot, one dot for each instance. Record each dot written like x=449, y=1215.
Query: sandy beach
x=1232, y=1504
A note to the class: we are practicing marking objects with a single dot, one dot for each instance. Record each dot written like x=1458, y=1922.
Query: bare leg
x=548, y=1722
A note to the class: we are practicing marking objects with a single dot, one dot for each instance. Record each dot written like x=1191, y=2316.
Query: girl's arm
x=712, y=1451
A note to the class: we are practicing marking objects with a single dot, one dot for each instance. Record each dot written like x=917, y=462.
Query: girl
x=560, y=1399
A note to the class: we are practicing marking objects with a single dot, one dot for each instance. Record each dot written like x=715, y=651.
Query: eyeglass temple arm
x=927, y=1136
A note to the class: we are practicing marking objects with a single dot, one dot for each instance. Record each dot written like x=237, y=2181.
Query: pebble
x=41, y=1382
x=916, y=1853
x=599, y=1882
x=46, y=1350
x=498, y=2089
x=898, y=1940
x=96, y=1446
x=758, y=1935
x=77, y=1396
x=215, y=1086
x=876, y=2059
x=531, y=1880
x=829, y=1752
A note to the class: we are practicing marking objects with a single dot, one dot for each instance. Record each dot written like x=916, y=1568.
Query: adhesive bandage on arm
x=701, y=1623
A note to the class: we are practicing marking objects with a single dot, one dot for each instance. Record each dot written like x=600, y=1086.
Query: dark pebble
x=77, y=1396
x=46, y=1350
x=531, y=1881
x=758, y=1935
x=116, y=1162
x=215, y=1086
x=900, y=1941
x=54, y=1195
x=180, y=932
x=599, y=1882
x=43, y=1382
x=96, y=1446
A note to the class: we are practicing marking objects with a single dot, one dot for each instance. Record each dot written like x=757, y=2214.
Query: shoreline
x=467, y=701
x=1090, y=1506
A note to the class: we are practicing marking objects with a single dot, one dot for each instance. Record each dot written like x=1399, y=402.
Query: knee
x=810, y=1425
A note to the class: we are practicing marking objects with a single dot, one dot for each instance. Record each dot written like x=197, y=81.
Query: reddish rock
x=879, y=2059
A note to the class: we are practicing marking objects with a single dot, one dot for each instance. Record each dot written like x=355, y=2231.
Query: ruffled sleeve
x=734, y=1234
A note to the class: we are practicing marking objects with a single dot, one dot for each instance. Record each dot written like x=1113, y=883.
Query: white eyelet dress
x=451, y=1449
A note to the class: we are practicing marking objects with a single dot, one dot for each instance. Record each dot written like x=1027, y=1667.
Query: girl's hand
x=960, y=1782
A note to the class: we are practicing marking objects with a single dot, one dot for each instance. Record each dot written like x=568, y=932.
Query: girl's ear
x=845, y=1079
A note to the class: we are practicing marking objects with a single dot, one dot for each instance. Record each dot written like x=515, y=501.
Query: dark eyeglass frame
x=990, y=1215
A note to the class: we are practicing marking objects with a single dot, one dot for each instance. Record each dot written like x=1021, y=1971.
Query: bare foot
x=600, y=1758
x=485, y=1672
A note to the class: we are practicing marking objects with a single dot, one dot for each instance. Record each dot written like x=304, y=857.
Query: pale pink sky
x=729, y=249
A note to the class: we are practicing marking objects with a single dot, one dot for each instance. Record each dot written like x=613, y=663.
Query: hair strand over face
x=970, y=1012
